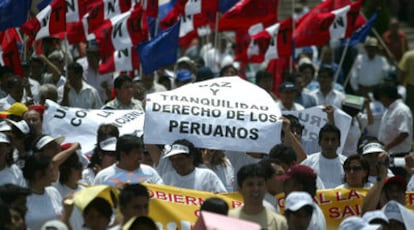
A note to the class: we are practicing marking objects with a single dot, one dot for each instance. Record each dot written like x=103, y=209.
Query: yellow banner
x=175, y=208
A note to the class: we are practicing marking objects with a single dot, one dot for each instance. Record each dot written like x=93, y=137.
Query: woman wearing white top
x=9, y=172
x=217, y=161
x=356, y=171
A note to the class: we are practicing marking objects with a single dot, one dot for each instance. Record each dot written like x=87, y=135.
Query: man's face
x=325, y=81
x=329, y=143
x=133, y=157
x=288, y=97
x=126, y=91
x=253, y=190
x=34, y=119
x=300, y=219
x=138, y=206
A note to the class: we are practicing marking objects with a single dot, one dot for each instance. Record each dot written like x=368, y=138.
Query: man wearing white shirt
x=129, y=153
x=326, y=94
x=328, y=163
x=288, y=93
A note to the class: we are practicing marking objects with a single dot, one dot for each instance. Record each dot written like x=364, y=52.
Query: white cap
x=356, y=222
x=54, y=224
x=297, y=200
x=21, y=125
x=4, y=127
x=392, y=212
x=109, y=144
x=374, y=215
x=4, y=138
x=373, y=147
x=177, y=149
x=43, y=141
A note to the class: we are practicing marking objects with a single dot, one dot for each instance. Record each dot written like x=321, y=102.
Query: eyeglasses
x=353, y=168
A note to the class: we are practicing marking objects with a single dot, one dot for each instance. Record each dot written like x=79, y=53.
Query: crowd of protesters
x=39, y=174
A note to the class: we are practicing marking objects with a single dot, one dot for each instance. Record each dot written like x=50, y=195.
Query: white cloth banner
x=314, y=118
x=80, y=125
x=226, y=113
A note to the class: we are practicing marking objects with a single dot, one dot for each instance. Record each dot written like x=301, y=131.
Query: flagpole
x=216, y=38
x=293, y=29
x=341, y=62
x=156, y=26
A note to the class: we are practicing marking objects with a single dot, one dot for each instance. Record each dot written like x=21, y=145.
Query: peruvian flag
x=193, y=26
x=51, y=21
x=149, y=6
x=121, y=60
x=9, y=54
x=339, y=23
x=122, y=31
x=249, y=12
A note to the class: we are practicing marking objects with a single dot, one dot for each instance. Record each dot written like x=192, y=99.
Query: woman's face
x=47, y=176
x=355, y=174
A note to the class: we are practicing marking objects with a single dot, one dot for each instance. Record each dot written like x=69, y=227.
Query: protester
x=299, y=207
x=395, y=40
x=264, y=80
x=150, y=85
x=328, y=163
x=216, y=205
x=129, y=150
x=217, y=161
x=399, y=217
x=303, y=96
x=34, y=119
x=251, y=181
x=45, y=202
x=183, y=77
x=123, y=95
x=97, y=214
x=186, y=174
x=288, y=92
x=377, y=217
x=9, y=172
x=14, y=112
x=15, y=89
x=133, y=201
x=15, y=197
x=327, y=94
x=356, y=170
x=274, y=185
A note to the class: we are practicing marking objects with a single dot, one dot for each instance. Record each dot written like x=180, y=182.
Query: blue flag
x=13, y=13
x=360, y=35
x=225, y=5
x=160, y=51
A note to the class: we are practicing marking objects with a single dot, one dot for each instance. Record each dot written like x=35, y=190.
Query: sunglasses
x=353, y=168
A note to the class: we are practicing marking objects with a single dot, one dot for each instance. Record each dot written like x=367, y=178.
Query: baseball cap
x=55, y=225
x=183, y=75
x=400, y=180
x=356, y=222
x=44, y=140
x=4, y=138
x=21, y=125
x=371, y=41
x=15, y=109
x=185, y=59
x=375, y=215
x=299, y=171
x=392, y=211
x=287, y=85
x=177, y=149
x=372, y=147
x=297, y=200
x=108, y=144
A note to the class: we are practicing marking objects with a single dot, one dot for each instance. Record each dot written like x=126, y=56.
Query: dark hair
x=10, y=192
x=104, y=131
x=131, y=191
x=143, y=222
x=326, y=69
x=5, y=216
x=120, y=80
x=13, y=81
x=76, y=68
x=329, y=128
x=5, y=70
x=215, y=205
x=307, y=208
x=284, y=153
x=248, y=171
x=128, y=142
x=294, y=122
x=361, y=160
x=162, y=79
x=388, y=90
x=262, y=74
x=267, y=166
x=34, y=163
x=304, y=66
x=65, y=169
x=101, y=205
x=224, y=68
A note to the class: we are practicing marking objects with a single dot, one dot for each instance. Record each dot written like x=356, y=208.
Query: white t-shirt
x=329, y=170
x=226, y=174
x=88, y=176
x=199, y=179
x=12, y=175
x=318, y=221
x=76, y=218
x=112, y=170
x=42, y=208
x=358, y=123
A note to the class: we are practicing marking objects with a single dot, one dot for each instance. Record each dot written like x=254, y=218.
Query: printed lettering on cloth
x=122, y=60
x=226, y=113
x=80, y=125
x=314, y=118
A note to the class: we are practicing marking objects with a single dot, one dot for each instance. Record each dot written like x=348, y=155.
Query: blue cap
x=287, y=85
x=183, y=75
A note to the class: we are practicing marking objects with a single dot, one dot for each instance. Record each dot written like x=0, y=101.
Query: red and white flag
x=122, y=31
x=318, y=28
x=51, y=21
x=247, y=13
x=278, y=39
x=121, y=60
